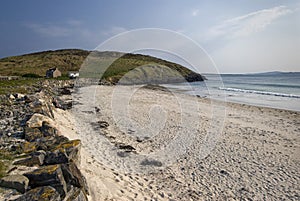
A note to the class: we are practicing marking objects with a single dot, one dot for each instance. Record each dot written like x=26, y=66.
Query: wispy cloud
x=49, y=30
x=248, y=24
x=114, y=30
x=195, y=12
x=63, y=29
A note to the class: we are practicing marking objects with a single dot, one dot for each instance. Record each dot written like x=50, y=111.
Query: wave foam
x=260, y=92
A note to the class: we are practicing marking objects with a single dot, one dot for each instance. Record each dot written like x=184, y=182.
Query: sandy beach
x=158, y=150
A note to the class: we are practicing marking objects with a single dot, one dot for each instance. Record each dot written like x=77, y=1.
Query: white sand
x=256, y=155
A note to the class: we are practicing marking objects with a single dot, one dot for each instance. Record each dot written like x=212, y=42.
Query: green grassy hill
x=38, y=63
x=112, y=66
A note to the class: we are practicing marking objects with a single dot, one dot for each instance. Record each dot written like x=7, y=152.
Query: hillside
x=118, y=64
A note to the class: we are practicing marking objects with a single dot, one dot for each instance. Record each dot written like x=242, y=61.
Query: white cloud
x=195, y=12
x=64, y=29
x=114, y=30
x=74, y=22
x=49, y=30
x=248, y=24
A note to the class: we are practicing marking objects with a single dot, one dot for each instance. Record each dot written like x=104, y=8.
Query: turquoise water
x=276, y=90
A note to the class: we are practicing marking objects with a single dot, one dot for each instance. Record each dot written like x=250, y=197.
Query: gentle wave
x=260, y=92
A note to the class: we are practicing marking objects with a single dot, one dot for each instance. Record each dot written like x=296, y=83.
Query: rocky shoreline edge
x=37, y=162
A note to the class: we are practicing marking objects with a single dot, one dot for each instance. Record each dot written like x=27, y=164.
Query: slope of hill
x=118, y=64
x=38, y=63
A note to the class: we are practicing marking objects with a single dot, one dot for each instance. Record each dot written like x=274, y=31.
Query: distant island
x=67, y=60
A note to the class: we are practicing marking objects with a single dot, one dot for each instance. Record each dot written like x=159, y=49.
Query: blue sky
x=240, y=36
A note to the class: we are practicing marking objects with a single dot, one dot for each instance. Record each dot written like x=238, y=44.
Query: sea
x=273, y=89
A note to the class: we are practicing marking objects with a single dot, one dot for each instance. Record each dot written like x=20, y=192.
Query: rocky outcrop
x=27, y=130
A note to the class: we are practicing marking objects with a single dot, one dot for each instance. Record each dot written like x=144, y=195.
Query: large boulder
x=63, y=153
x=35, y=158
x=42, y=107
x=44, y=193
x=48, y=130
x=18, y=182
x=50, y=142
x=73, y=177
x=37, y=120
x=76, y=194
x=48, y=176
x=32, y=134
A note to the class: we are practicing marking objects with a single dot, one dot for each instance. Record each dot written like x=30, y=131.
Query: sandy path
x=256, y=157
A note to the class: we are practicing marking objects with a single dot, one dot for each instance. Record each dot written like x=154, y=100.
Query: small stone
x=224, y=172
x=18, y=182
x=19, y=96
x=103, y=124
x=151, y=162
x=65, y=91
x=12, y=97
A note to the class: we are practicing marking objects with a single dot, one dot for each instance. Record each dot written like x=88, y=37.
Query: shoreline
x=237, y=168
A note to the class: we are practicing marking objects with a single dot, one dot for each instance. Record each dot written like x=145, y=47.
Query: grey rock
x=48, y=130
x=75, y=194
x=151, y=162
x=48, y=176
x=74, y=177
x=63, y=153
x=36, y=158
x=44, y=193
x=31, y=134
x=37, y=120
x=18, y=182
x=56, y=157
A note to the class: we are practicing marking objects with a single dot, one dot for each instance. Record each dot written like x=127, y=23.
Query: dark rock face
x=18, y=182
x=31, y=134
x=63, y=153
x=76, y=194
x=56, y=157
x=48, y=130
x=195, y=77
x=48, y=143
x=36, y=158
x=74, y=177
x=58, y=103
x=48, y=176
x=44, y=193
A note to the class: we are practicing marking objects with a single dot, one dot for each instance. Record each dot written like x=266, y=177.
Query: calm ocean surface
x=276, y=90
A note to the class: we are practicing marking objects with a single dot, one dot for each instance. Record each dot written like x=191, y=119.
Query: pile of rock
x=45, y=165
